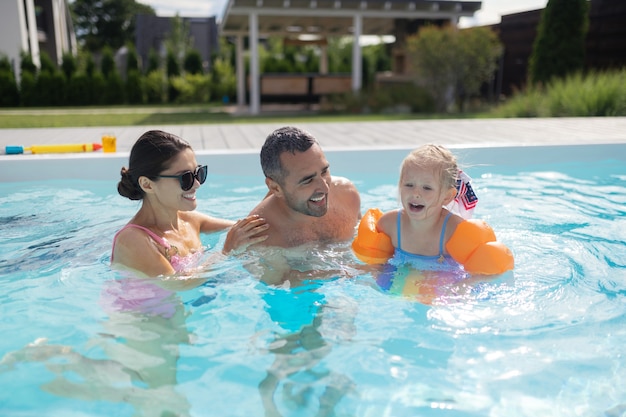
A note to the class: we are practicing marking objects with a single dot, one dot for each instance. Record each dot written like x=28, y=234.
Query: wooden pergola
x=322, y=19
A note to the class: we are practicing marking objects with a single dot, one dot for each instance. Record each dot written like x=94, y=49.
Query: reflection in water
x=135, y=356
x=311, y=327
x=430, y=286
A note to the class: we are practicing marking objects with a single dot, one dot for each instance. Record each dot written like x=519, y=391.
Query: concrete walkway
x=405, y=134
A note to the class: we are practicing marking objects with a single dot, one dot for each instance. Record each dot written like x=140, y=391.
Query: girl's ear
x=450, y=194
x=145, y=183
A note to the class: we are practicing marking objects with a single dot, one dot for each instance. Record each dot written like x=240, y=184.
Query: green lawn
x=20, y=118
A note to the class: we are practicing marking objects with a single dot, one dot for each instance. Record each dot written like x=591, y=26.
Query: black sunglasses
x=187, y=178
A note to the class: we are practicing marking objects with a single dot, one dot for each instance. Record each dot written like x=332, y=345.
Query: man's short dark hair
x=285, y=139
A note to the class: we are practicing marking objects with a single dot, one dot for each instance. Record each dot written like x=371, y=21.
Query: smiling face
x=422, y=192
x=169, y=191
x=305, y=185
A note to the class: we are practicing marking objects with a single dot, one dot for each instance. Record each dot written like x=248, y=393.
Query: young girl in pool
x=423, y=231
x=163, y=238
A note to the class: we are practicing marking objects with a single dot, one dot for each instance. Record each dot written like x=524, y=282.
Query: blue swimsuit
x=432, y=263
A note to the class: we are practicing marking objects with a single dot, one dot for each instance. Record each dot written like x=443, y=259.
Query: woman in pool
x=163, y=238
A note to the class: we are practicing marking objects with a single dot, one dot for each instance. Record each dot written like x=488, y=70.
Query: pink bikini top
x=179, y=263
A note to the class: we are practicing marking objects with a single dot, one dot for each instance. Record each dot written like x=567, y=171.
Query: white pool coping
x=351, y=160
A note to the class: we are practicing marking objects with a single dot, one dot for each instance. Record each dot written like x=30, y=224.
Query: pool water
x=547, y=339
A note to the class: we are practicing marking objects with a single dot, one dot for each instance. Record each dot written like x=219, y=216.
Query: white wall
x=13, y=30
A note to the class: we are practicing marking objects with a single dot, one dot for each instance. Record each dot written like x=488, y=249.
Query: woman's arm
x=135, y=250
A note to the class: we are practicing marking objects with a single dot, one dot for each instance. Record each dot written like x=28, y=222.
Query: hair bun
x=127, y=187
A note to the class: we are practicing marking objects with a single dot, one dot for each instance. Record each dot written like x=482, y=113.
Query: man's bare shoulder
x=343, y=182
x=264, y=206
x=347, y=194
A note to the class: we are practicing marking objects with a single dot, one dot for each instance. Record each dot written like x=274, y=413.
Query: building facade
x=605, y=46
x=33, y=26
x=151, y=32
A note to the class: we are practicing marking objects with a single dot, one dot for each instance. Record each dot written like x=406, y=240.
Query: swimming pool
x=546, y=340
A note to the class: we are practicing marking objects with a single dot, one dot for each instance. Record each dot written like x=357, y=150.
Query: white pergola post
x=33, y=38
x=58, y=36
x=241, y=73
x=356, y=53
x=255, y=95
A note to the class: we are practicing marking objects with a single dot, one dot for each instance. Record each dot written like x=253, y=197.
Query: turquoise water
x=547, y=339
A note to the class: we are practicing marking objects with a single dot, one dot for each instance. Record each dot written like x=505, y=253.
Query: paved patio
x=457, y=132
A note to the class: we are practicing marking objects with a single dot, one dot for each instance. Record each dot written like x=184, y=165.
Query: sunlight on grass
x=114, y=116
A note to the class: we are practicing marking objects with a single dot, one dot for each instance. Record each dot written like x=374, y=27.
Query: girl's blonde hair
x=437, y=157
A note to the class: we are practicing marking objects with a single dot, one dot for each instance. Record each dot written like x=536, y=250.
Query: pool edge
x=101, y=166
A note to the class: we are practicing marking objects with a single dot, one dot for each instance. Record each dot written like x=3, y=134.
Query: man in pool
x=308, y=211
x=305, y=204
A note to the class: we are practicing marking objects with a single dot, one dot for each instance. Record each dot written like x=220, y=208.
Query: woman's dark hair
x=150, y=155
x=285, y=139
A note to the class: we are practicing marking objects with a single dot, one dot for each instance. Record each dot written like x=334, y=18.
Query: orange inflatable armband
x=370, y=245
x=474, y=245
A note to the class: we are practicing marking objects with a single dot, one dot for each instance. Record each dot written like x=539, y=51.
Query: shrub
x=79, y=90
x=171, y=63
x=107, y=65
x=400, y=98
x=5, y=64
x=9, y=94
x=154, y=62
x=223, y=80
x=132, y=60
x=27, y=65
x=192, y=88
x=134, y=88
x=98, y=88
x=416, y=98
x=153, y=87
x=596, y=94
x=68, y=65
x=192, y=63
x=114, y=92
x=43, y=94
x=28, y=89
x=47, y=65
x=58, y=89
x=90, y=66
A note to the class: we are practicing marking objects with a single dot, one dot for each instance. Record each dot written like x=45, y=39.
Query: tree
x=106, y=22
x=132, y=59
x=68, y=65
x=27, y=66
x=193, y=62
x=339, y=52
x=134, y=87
x=90, y=65
x=107, y=64
x=47, y=64
x=172, y=66
x=178, y=42
x=154, y=61
x=559, y=47
x=480, y=50
x=9, y=94
x=453, y=64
